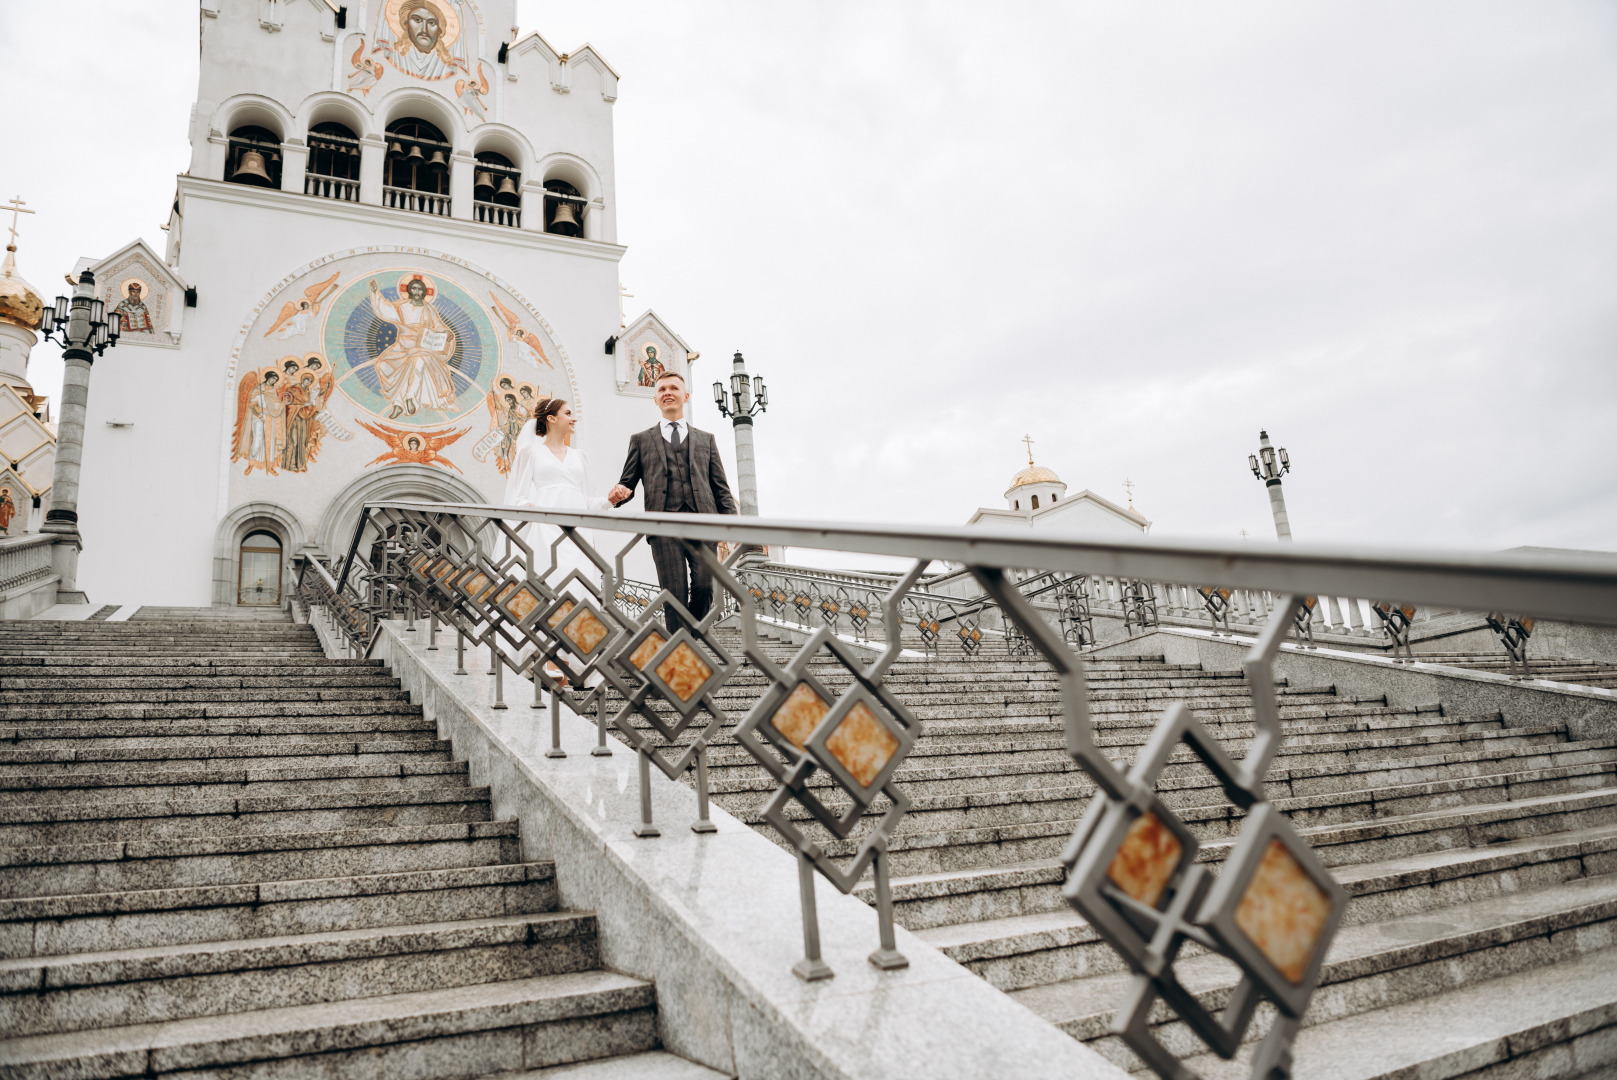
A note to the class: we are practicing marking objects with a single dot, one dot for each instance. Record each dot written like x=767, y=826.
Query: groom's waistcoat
x=679, y=494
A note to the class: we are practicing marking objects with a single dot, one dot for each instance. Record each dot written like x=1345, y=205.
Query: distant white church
x=1038, y=499
x=397, y=231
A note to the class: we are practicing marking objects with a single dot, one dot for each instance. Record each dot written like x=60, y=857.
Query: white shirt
x=668, y=430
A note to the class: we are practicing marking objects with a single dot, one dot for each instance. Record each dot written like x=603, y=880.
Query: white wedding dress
x=541, y=480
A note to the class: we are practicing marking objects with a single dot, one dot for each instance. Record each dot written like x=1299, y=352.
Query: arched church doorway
x=259, y=581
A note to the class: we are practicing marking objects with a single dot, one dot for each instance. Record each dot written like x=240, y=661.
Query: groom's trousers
x=684, y=576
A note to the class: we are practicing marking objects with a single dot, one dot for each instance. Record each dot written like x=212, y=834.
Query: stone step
x=152, y=666
x=13, y=700
x=202, y=711
x=1056, y=945
x=32, y=825
x=218, y=679
x=206, y=782
x=41, y=995
x=1371, y=964
x=457, y=1032
x=976, y=889
x=73, y=730
x=150, y=747
x=653, y=1065
x=106, y=921
x=1557, y=1021
x=167, y=863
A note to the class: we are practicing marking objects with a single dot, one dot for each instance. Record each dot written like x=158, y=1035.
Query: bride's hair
x=544, y=411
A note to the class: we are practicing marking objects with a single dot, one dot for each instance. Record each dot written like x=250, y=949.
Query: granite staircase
x=1580, y=672
x=1480, y=852
x=223, y=854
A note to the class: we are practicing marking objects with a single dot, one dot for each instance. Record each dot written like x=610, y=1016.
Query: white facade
x=286, y=390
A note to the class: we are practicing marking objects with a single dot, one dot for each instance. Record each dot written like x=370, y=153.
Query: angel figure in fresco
x=320, y=398
x=415, y=371
x=422, y=37
x=651, y=368
x=8, y=510
x=471, y=93
x=303, y=431
x=413, y=447
x=506, y=418
x=364, y=73
x=294, y=317
x=132, y=310
x=516, y=332
x=260, y=422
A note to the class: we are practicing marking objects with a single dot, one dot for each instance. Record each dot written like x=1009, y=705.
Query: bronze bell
x=483, y=185
x=565, y=220
x=506, y=186
x=395, y=150
x=438, y=161
x=414, y=154
x=250, y=170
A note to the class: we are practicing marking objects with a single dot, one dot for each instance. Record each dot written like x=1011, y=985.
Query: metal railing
x=562, y=612
x=423, y=202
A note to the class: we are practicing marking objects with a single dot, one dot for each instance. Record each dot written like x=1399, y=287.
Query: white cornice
x=426, y=224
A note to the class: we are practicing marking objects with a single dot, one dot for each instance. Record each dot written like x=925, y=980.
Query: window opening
x=259, y=581
x=254, y=157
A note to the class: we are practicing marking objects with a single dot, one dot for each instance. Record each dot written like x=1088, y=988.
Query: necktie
x=673, y=440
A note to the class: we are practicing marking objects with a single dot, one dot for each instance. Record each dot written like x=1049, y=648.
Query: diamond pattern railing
x=563, y=614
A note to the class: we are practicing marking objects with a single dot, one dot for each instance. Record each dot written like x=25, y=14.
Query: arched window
x=564, y=209
x=259, y=582
x=1017, y=505
x=333, y=171
x=1054, y=498
x=254, y=157
x=416, y=173
x=1035, y=501
x=497, y=190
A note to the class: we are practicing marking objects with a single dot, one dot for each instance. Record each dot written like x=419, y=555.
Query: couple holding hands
x=678, y=464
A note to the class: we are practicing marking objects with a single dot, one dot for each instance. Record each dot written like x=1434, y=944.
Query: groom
x=683, y=474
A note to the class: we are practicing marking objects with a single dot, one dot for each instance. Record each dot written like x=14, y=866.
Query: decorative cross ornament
x=1028, y=439
x=1128, y=486
x=16, y=207
x=623, y=316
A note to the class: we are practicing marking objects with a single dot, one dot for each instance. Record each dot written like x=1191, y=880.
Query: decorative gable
x=145, y=293
x=645, y=351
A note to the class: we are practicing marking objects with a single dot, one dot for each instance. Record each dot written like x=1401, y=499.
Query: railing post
x=499, y=679
x=460, y=651
x=555, y=750
x=600, y=749
x=811, y=968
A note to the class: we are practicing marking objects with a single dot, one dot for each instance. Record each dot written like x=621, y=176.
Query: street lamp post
x=1272, y=466
x=80, y=325
x=744, y=400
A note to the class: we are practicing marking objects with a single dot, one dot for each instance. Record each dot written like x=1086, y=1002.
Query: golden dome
x=1035, y=474
x=20, y=305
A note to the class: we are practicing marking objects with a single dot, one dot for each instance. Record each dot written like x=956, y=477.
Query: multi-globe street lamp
x=745, y=399
x=1269, y=466
x=81, y=325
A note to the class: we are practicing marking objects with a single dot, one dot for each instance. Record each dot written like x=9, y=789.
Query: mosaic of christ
x=423, y=38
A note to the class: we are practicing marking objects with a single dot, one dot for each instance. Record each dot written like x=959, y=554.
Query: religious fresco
x=440, y=362
x=646, y=352
x=414, y=447
x=510, y=405
x=138, y=293
x=425, y=39
x=8, y=510
x=363, y=72
x=471, y=92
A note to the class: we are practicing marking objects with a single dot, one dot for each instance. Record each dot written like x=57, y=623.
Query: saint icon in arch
x=132, y=311
x=423, y=38
x=651, y=366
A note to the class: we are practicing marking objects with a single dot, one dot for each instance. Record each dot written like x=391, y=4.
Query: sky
x=1384, y=232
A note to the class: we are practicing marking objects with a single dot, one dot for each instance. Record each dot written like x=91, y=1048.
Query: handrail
x=595, y=643
x=1576, y=589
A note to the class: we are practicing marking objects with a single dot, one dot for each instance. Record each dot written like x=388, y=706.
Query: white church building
x=398, y=230
x=1038, y=499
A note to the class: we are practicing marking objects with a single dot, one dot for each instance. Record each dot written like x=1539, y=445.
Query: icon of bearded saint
x=422, y=38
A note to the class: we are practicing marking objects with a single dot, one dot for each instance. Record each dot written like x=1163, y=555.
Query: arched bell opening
x=260, y=571
x=254, y=157
x=333, y=170
x=415, y=175
x=564, y=208
x=497, y=190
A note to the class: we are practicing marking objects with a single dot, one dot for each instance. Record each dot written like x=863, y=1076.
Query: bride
x=547, y=474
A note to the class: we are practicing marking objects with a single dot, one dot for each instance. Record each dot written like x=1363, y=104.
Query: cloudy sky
x=1387, y=232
